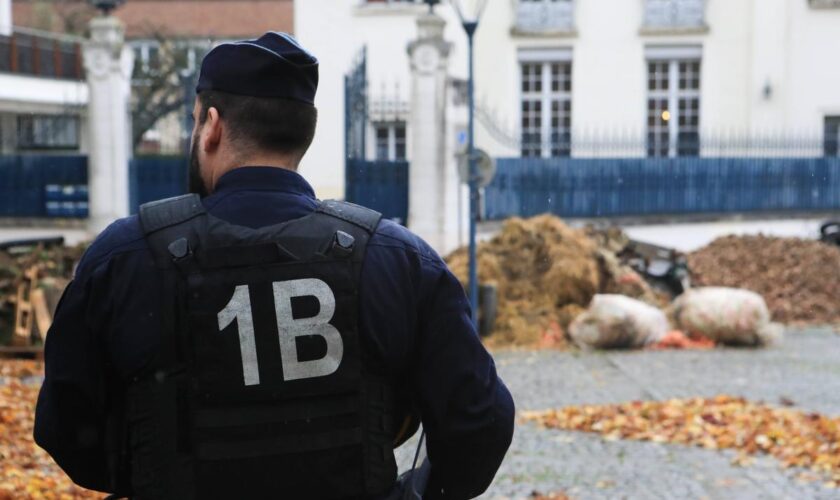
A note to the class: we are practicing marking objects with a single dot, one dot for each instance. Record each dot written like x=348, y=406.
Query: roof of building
x=216, y=19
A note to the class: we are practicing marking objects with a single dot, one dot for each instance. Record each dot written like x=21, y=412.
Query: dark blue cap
x=274, y=65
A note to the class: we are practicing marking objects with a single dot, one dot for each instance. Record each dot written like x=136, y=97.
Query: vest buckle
x=343, y=244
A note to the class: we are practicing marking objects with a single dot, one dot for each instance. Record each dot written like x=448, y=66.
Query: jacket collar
x=255, y=178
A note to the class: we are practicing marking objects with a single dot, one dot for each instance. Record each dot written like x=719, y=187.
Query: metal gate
x=356, y=109
x=155, y=178
x=380, y=185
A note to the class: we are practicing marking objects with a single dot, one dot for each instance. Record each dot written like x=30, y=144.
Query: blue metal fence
x=156, y=177
x=380, y=185
x=51, y=186
x=43, y=186
x=590, y=187
x=57, y=186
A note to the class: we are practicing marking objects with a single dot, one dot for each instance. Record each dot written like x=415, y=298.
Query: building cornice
x=674, y=31
x=389, y=9
x=565, y=33
x=824, y=4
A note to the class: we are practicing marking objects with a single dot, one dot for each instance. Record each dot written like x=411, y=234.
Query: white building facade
x=43, y=95
x=555, y=77
x=66, y=96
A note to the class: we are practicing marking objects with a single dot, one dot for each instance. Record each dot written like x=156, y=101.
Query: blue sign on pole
x=462, y=138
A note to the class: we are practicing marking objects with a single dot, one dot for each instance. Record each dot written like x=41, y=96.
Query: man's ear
x=212, y=130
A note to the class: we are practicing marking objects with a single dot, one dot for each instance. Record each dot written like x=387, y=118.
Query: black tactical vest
x=260, y=389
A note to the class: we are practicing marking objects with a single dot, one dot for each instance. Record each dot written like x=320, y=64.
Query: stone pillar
x=433, y=183
x=5, y=17
x=108, y=64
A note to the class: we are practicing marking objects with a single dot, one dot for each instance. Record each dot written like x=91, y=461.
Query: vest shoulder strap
x=362, y=217
x=171, y=222
x=161, y=214
x=171, y=228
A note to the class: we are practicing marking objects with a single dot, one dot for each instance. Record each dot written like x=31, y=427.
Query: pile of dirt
x=799, y=279
x=545, y=273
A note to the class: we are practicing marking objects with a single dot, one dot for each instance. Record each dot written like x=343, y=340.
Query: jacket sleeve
x=69, y=417
x=467, y=411
x=76, y=406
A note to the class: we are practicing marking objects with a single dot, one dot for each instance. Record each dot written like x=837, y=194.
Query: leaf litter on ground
x=27, y=471
x=796, y=438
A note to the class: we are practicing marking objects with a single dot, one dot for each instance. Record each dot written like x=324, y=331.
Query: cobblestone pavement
x=805, y=369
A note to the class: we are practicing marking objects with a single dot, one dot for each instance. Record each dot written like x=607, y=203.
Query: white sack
x=726, y=315
x=617, y=321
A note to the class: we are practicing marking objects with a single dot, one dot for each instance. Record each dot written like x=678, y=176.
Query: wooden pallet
x=29, y=351
x=24, y=313
x=31, y=311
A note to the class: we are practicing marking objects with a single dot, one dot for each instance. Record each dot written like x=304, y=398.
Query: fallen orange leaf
x=795, y=438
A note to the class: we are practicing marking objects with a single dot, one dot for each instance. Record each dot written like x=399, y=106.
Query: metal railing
x=37, y=53
x=824, y=4
x=544, y=16
x=632, y=143
x=731, y=174
x=675, y=14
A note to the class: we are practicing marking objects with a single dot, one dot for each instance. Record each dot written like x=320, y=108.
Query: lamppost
x=431, y=4
x=106, y=6
x=469, y=12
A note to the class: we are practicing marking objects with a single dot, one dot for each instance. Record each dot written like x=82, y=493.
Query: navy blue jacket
x=414, y=319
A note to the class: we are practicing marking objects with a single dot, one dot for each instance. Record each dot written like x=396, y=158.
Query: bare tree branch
x=159, y=88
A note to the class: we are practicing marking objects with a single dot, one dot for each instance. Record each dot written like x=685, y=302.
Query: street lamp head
x=431, y=4
x=469, y=11
x=106, y=6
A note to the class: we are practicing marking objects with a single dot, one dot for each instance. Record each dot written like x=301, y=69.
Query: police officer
x=250, y=341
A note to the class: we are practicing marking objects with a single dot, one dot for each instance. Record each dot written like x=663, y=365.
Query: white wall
x=5, y=17
x=19, y=92
x=496, y=75
x=812, y=85
x=748, y=44
x=726, y=89
x=769, y=58
x=335, y=31
x=609, y=72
